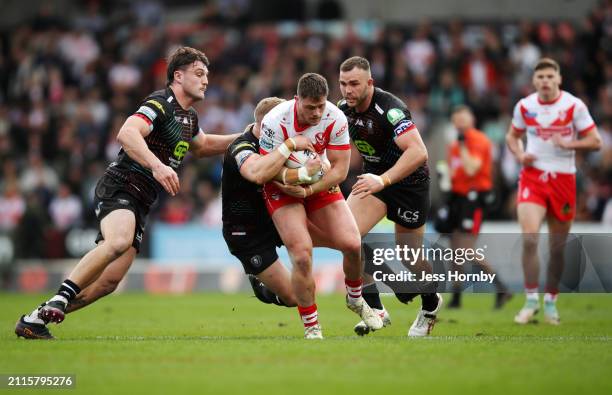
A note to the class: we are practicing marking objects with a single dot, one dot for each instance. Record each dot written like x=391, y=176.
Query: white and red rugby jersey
x=281, y=123
x=567, y=115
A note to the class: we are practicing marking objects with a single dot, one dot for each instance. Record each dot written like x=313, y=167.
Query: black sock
x=405, y=298
x=371, y=296
x=429, y=301
x=68, y=290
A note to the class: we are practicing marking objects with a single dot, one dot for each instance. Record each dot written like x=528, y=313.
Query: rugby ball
x=299, y=158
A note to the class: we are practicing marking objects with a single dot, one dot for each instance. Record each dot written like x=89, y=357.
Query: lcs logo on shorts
x=408, y=216
x=180, y=150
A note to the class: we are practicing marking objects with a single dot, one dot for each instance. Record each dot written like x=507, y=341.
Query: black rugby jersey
x=374, y=131
x=244, y=210
x=172, y=129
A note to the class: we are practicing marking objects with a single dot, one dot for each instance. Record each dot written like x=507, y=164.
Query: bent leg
x=106, y=283
x=278, y=280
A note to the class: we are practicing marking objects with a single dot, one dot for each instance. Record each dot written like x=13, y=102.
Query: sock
x=32, y=318
x=531, y=292
x=353, y=288
x=67, y=291
x=309, y=315
x=372, y=297
x=405, y=298
x=550, y=297
x=429, y=302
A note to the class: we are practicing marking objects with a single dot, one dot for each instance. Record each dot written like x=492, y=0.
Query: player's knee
x=351, y=247
x=530, y=242
x=302, y=259
x=118, y=245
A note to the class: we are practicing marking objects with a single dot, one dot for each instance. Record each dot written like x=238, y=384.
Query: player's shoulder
x=333, y=110
x=386, y=101
x=246, y=140
x=160, y=100
x=570, y=99
x=342, y=105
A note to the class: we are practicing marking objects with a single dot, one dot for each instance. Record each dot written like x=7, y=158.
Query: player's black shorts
x=407, y=205
x=466, y=212
x=256, y=255
x=110, y=195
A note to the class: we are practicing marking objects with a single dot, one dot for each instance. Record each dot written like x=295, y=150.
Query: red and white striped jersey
x=567, y=115
x=281, y=123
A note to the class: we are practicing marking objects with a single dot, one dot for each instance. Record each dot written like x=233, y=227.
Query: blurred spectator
x=65, y=208
x=12, y=206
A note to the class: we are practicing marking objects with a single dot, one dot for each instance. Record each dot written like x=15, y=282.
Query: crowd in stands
x=68, y=82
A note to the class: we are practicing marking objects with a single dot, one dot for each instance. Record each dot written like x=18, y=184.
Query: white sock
x=550, y=298
x=532, y=294
x=60, y=298
x=32, y=318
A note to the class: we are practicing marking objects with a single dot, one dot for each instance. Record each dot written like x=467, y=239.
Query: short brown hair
x=182, y=57
x=547, y=63
x=312, y=85
x=264, y=106
x=355, y=61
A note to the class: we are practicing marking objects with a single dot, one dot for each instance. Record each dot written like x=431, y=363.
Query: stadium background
x=71, y=72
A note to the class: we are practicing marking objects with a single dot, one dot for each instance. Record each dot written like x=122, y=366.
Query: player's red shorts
x=555, y=191
x=276, y=199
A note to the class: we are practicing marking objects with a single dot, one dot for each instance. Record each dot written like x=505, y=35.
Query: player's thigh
x=367, y=211
x=277, y=278
x=292, y=226
x=530, y=216
x=338, y=225
x=118, y=225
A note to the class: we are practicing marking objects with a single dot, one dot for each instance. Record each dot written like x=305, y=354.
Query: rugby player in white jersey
x=557, y=124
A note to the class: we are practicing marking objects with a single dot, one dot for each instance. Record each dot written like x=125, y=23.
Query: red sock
x=309, y=315
x=353, y=288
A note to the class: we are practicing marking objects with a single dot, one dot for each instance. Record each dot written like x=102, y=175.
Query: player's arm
x=131, y=137
x=589, y=140
x=211, y=144
x=414, y=155
x=470, y=161
x=339, y=165
x=514, y=141
x=263, y=168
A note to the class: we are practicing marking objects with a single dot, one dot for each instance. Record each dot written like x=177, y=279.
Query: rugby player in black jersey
x=248, y=229
x=154, y=142
x=395, y=182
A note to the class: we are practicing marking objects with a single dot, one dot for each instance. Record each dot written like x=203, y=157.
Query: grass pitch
x=214, y=344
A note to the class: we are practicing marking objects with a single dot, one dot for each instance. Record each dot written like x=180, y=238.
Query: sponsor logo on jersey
x=395, y=115
x=359, y=122
x=267, y=131
x=180, y=149
x=242, y=156
x=157, y=104
x=256, y=260
x=266, y=143
x=147, y=112
x=320, y=143
x=342, y=129
x=364, y=147
x=402, y=127
x=546, y=133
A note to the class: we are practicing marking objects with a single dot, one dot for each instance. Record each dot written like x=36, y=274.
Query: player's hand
x=527, y=159
x=367, y=184
x=313, y=166
x=294, y=190
x=167, y=177
x=558, y=141
x=302, y=143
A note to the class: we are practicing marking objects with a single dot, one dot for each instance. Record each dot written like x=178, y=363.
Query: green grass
x=213, y=344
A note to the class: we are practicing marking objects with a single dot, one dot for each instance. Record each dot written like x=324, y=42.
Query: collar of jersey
x=298, y=128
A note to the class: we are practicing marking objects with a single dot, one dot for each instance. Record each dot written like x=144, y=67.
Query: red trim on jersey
x=412, y=127
x=529, y=121
x=328, y=130
x=585, y=130
x=520, y=130
x=553, y=101
x=339, y=147
x=298, y=128
x=263, y=151
x=567, y=118
x=284, y=132
x=147, y=120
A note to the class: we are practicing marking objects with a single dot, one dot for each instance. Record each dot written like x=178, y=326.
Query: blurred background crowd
x=68, y=82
